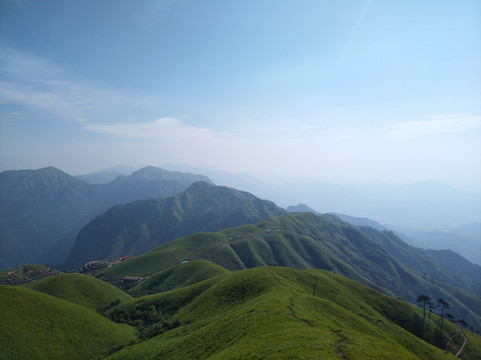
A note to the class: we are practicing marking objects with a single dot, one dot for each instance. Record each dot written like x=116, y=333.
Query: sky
x=348, y=90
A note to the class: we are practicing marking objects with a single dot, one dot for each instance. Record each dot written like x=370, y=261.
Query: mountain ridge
x=41, y=210
x=139, y=226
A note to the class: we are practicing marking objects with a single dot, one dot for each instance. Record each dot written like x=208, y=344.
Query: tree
x=430, y=308
x=463, y=323
x=449, y=317
x=444, y=305
x=424, y=300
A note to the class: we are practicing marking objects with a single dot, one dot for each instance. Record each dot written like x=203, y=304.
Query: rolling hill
x=40, y=326
x=42, y=210
x=303, y=241
x=136, y=227
x=178, y=276
x=79, y=289
x=276, y=313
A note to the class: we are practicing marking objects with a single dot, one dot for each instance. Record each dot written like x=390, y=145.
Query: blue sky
x=333, y=90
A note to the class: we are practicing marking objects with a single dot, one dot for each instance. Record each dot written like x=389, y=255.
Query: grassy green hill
x=178, y=276
x=39, y=326
x=303, y=241
x=137, y=227
x=450, y=268
x=83, y=290
x=275, y=313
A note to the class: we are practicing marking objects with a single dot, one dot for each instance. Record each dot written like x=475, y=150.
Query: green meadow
x=80, y=289
x=276, y=313
x=39, y=326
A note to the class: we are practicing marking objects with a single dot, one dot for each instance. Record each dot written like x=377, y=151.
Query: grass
x=271, y=313
x=40, y=326
x=178, y=276
x=80, y=289
x=164, y=256
x=302, y=241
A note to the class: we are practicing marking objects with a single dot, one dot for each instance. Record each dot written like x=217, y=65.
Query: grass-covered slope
x=274, y=313
x=178, y=276
x=450, y=268
x=303, y=241
x=140, y=226
x=83, y=290
x=39, y=326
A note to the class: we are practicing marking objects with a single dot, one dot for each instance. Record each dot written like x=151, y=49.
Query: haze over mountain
x=105, y=176
x=137, y=227
x=423, y=205
x=41, y=210
x=464, y=240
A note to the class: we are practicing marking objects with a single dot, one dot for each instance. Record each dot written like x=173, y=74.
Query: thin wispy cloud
x=159, y=129
x=36, y=82
x=436, y=124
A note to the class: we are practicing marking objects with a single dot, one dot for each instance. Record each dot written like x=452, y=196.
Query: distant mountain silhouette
x=41, y=210
x=464, y=240
x=301, y=208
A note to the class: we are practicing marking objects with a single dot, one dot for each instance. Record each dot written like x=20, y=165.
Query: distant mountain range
x=464, y=240
x=107, y=175
x=139, y=226
x=42, y=210
x=424, y=205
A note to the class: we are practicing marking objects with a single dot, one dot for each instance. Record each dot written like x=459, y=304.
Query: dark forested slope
x=42, y=210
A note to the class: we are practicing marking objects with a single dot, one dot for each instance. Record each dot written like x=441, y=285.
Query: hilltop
x=79, y=289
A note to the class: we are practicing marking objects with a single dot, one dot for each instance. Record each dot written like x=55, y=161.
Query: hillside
x=359, y=221
x=465, y=240
x=137, y=227
x=275, y=313
x=303, y=241
x=79, y=289
x=454, y=270
x=435, y=265
x=40, y=326
x=178, y=276
x=456, y=263
x=42, y=210
x=37, y=208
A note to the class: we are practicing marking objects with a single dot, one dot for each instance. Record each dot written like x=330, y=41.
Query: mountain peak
x=301, y=208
